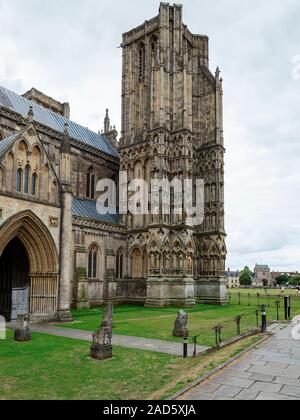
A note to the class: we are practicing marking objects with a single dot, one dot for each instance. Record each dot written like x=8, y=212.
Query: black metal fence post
x=238, y=324
x=218, y=331
x=277, y=304
x=287, y=307
x=195, y=339
x=264, y=324
x=185, y=347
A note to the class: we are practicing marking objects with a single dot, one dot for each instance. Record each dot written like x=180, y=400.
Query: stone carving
x=53, y=222
x=101, y=348
x=22, y=331
x=180, y=327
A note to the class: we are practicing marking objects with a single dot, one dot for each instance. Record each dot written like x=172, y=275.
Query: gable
x=26, y=169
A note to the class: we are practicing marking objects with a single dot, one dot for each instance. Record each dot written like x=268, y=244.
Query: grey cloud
x=69, y=50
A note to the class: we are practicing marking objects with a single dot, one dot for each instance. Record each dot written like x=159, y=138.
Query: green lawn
x=264, y=291
x=52, y=368
x=250, y=297
x=137, y=321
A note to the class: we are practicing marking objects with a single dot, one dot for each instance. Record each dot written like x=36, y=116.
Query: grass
x=54, y=368
x=276, y=292
x=248, y=297
x=131, y=320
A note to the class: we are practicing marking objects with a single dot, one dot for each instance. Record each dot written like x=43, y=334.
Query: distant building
x=233, y=279
x=263, y=276
x=290, y=274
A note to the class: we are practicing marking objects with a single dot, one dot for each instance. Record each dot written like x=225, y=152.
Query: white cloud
x=69, y=50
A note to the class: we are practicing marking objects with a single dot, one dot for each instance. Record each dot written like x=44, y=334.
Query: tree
x=295, y=281
x=282, y=280
x=246, y=277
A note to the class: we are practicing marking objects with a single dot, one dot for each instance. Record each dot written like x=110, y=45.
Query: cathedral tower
x=172, y=128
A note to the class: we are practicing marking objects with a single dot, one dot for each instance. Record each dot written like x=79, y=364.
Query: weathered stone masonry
x=72, y=255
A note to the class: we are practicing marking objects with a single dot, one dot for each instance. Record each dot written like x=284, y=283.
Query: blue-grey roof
x=88, y=209
x=7, y=143
x=48, y=118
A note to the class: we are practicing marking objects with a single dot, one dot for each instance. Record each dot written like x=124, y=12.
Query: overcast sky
x=69, y=50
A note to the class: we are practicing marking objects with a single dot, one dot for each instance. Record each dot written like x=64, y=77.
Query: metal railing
x=275, y=301
x=227, y=331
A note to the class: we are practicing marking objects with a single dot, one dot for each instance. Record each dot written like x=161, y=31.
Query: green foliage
x=246, y=277
x=282, y=280
x=295, y=281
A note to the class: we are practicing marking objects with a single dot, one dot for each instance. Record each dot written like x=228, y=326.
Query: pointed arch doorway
x=28, y=269
x=14, y=284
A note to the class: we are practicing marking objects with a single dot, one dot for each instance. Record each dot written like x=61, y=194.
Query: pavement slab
x=270, y=372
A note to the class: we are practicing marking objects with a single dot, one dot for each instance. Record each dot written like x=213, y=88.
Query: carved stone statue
x=180, y=327
x=22, y=331
x=101, y=348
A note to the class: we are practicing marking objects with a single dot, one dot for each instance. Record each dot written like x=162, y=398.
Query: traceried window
x=119, y=264
x=26, y=179
x=90, y=184
x=19, y=180
x=142, y=62
x=34, y=184
x=93, y=262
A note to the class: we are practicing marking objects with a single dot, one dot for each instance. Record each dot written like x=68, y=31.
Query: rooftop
x=17, y=103
x=88, y=209
x=7, y=143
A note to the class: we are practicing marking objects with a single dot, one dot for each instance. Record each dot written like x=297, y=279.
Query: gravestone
x=101, y=348
x=181, y=323
x=22, y=331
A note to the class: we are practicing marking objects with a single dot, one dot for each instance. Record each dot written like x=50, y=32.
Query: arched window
x=137, y=264
x=142, y=62
x=90, y=184
x=1, y=136
x=153, y=47
x=34, y=184
x=19, y=180
x=93, y=262
x=119, y=265
x=26, y=179
x=53, y=191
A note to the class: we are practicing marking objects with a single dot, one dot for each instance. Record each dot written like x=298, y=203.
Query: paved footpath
x=158, y=346
x=271, y=372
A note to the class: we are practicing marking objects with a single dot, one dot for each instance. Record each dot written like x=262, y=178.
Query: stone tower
x=172, y=127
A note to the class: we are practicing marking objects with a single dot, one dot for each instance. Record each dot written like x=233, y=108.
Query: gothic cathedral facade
x=71, y=252
x=172, y=128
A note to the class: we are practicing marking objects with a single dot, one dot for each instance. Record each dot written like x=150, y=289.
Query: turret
x=65, y=158
x=109, y=131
